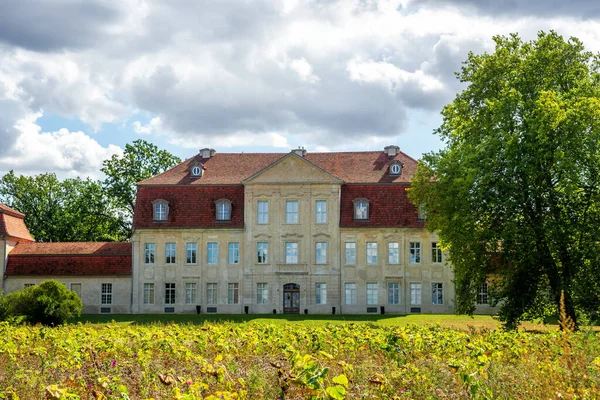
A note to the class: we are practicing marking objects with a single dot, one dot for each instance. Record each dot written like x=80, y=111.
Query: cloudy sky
x=81, y=78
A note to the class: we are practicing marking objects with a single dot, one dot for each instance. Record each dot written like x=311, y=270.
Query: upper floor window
x=396, y=168
x=393, y=253
x=263, y=212
x=321, y=212
x=234, y=253
x=422, y=216
x=291, y=253
x=170, y=251
x=212, y=252
x=149, y=250
x=436, y=252
x=160, y=209
x=196, y=170
x=191, y=253
x=291, y=212
x=371, y=252
x=415, y=253
x=223, y=210
x=350, y=253
x=263, y=252
x=321, y=253
x=361, y=209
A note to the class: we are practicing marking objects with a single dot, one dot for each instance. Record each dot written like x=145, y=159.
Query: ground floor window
x=437, y=293
x=262, y=293
x=320, y=293
x=148, y=293
x=211, y=293
x=482, y=293
x=106, y=297
x=350, y=293
x=393, y=293
x=190, y=293
x=233, y=293
x=169, y=293
x=372, y=293
x=415, y=293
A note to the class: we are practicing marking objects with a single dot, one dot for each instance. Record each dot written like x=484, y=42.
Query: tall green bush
x=49, y=303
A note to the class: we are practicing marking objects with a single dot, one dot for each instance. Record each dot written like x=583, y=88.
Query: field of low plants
x=294, y=361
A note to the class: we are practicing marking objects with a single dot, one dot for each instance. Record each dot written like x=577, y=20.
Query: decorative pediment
x=291, y=235
x=321, y=234
x=292, y=168
x=262, y=235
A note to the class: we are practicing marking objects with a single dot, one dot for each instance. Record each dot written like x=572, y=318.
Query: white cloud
x=154, y=125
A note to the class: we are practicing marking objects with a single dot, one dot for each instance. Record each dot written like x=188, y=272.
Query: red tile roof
x=233, y=168
x=78, y=258
x=12, y=224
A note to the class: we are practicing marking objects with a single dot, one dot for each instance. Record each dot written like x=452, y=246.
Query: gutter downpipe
x=4, y=262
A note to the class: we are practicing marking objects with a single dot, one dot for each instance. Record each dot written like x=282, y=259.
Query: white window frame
x=149, y=253
x=372, y=253
x=212, y=294
x=361, y=209
x=320, y=293
x=233, y=252
x=321, y=211
x=148, y=293
x=321, y=253
x=350, y=293
x=170, y=253
x=415, y=294
x=350, y=253
x=414, y=253
x=483, y=294
x=191, y=253
x=262, y=214
x=393, y=293
x=437, y=293
x=223, y=210
x=170, y=293
x=233, y=293
x=372, y=293
x=191, y=293
x=393, y=253
x=262, y=293
x=291, y=252
x=292, y=211
x=436, y=253
x=160, y=210
x=212, y=253
x=262, y=250
x=106, y=293
x=396, y=169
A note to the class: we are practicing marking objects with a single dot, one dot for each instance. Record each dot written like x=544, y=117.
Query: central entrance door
x=291, y=298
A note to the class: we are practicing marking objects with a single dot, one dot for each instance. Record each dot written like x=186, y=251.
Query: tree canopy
x=514, y=195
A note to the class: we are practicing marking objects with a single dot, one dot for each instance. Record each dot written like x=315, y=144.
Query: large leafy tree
x=140, y=160
x=515, y=193
x=63, y=211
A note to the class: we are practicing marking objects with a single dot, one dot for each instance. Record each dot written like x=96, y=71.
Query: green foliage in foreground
x=267, y=361
x=49, y=303
x=515, y=194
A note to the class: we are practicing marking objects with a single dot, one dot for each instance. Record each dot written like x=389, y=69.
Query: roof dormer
x=196, y=170
x=395, y=168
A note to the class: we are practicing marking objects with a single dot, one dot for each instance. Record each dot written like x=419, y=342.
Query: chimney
x=391, y=150
x=207, y=153
x=301, y=151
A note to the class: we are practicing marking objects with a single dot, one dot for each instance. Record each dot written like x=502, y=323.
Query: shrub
x=49, y=303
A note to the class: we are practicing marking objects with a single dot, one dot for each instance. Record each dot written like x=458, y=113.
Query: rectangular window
x=262, y=293
x=291, y=212
x=321, y=212
x=233, y=290
x=212, y=252
x=148, y=293
x=361, y=209
x=415, y=293
x=26, y=285
x=350, y=293
x=371, y=252
x=263, y=252
x=436, y=253
x=234, y=253
x=211, y=293
x=191, y=253
x=437, y=293
x=263, y=212
x=190, y=293
x=170, y=250
x=321, y=253
x=169, y=293
x=372, y=293
x=350, y=253
x=482, y=293
x=223, y=210
x=393, y=293
x=291, y=252
x=393, y=253
x=149, y=249
x=415, y=252
x=320, y=293
x=106, y=293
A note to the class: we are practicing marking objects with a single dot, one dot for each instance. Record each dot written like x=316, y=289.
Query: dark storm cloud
x=47, y=25
x=584, y=9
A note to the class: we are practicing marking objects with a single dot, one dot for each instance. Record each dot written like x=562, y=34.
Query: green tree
x=63, y=211
x=140, y=160
x=515, y=192
x=49, y=303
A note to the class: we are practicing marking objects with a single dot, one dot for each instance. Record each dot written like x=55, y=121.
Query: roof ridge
x=6, y=209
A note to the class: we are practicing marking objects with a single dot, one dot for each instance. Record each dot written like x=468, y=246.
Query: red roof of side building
x=77, y=258
x=12, y=224
x=233, y=168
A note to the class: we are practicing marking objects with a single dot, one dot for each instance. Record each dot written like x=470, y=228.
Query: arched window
x=396, y=168
x=223, y=210
x=160, y=209
x=196, y=170
x=361, y=209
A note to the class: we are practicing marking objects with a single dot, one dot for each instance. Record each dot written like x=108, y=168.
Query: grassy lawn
x=462, y=322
